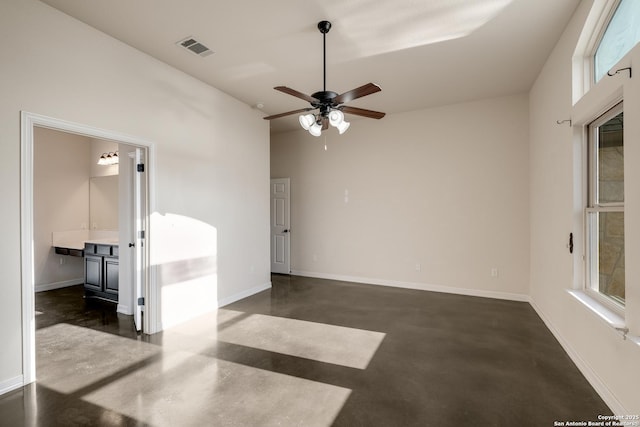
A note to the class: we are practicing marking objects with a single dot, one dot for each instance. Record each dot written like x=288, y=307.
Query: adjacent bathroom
x=76, y=213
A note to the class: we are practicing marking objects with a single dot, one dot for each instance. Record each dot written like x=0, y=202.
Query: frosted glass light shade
x=336, y=117
x=306, y=121
x=315, y=129
x=342, y=127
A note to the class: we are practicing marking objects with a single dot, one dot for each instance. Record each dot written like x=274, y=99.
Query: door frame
x=27, y=123
x=139, y=210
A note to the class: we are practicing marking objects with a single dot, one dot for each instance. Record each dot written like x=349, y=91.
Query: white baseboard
x=11, y=384
x=124, y=309
x=414, y=285
x=244, y=294
x=599, y=386
x=57, y=285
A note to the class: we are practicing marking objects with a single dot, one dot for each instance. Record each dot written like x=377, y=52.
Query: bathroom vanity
x=101, y=269
x=100, y=252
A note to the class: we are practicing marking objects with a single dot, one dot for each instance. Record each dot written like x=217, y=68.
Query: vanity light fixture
x=108, y=159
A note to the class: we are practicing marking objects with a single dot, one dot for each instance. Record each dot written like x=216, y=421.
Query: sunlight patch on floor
x=83, y=356
x=159, y=385
x=338, y=345
x=218, y=392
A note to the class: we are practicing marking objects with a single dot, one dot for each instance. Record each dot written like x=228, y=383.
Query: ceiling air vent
x=195, y=47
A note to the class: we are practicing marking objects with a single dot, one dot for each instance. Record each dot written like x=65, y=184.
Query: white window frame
x=584, y=59
x=592, y=206
x=606, y=16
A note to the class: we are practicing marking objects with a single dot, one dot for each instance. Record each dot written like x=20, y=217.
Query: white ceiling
x=423, y=53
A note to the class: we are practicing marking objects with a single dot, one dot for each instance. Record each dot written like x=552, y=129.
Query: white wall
x=103, y=202
x=211, y=168
x=446, y=188
x=608, y=361
x=61, y=202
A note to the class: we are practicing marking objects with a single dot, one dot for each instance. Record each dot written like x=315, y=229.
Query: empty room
x=320, y=213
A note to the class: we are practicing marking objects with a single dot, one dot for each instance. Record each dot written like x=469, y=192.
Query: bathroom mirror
x=103, y=203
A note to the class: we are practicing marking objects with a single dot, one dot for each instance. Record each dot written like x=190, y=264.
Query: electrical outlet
x=494, y=272
x=418, y=267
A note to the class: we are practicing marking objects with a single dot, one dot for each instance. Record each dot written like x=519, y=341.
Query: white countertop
x=113, y=242
x=79, y=245
x=75, y=239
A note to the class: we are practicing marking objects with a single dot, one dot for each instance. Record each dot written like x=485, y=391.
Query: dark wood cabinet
x=111, y=275
x=93, y=272
x=101, y=271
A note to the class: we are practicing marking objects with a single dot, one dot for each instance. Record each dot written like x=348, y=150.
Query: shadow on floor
x=68, y=305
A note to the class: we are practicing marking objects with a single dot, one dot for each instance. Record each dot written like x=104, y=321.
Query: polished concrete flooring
x=308, y=352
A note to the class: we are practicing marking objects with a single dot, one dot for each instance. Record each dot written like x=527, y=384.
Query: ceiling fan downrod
x=324, y=27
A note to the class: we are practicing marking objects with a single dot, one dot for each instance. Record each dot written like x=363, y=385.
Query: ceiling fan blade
x=362, y=112
x=276, y=116
x=325, y=123
x=295, y=93
x=356, y=93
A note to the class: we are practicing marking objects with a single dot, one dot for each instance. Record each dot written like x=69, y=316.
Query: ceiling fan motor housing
x=325, y=102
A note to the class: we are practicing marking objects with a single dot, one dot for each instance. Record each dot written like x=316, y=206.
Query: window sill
x=613, y=319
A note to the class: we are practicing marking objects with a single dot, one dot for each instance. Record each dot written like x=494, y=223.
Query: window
x=605, y=207
x=622, y=33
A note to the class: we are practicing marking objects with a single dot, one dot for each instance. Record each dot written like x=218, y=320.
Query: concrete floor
x=309, y=352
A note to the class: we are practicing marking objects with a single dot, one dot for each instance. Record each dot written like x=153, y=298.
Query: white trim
x=598, y=385
x=598, y=306
x=11, y=384
x=594, y=27
x=124, y=309
x=419, y=286
x=58, y=285
x=244, y=294
x=27, y=122
x=26, y=248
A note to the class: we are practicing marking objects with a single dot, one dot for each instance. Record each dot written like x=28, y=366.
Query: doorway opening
x=130, y=287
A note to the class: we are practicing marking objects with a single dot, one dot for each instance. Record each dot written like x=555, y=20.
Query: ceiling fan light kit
x=328, y=103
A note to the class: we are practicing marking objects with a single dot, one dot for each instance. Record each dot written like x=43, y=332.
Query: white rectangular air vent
x=195, y=47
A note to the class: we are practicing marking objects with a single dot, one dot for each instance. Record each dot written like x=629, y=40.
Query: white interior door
x=280, y=226
x=138, y=238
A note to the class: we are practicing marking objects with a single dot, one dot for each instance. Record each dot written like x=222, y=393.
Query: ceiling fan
x=328, y=103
